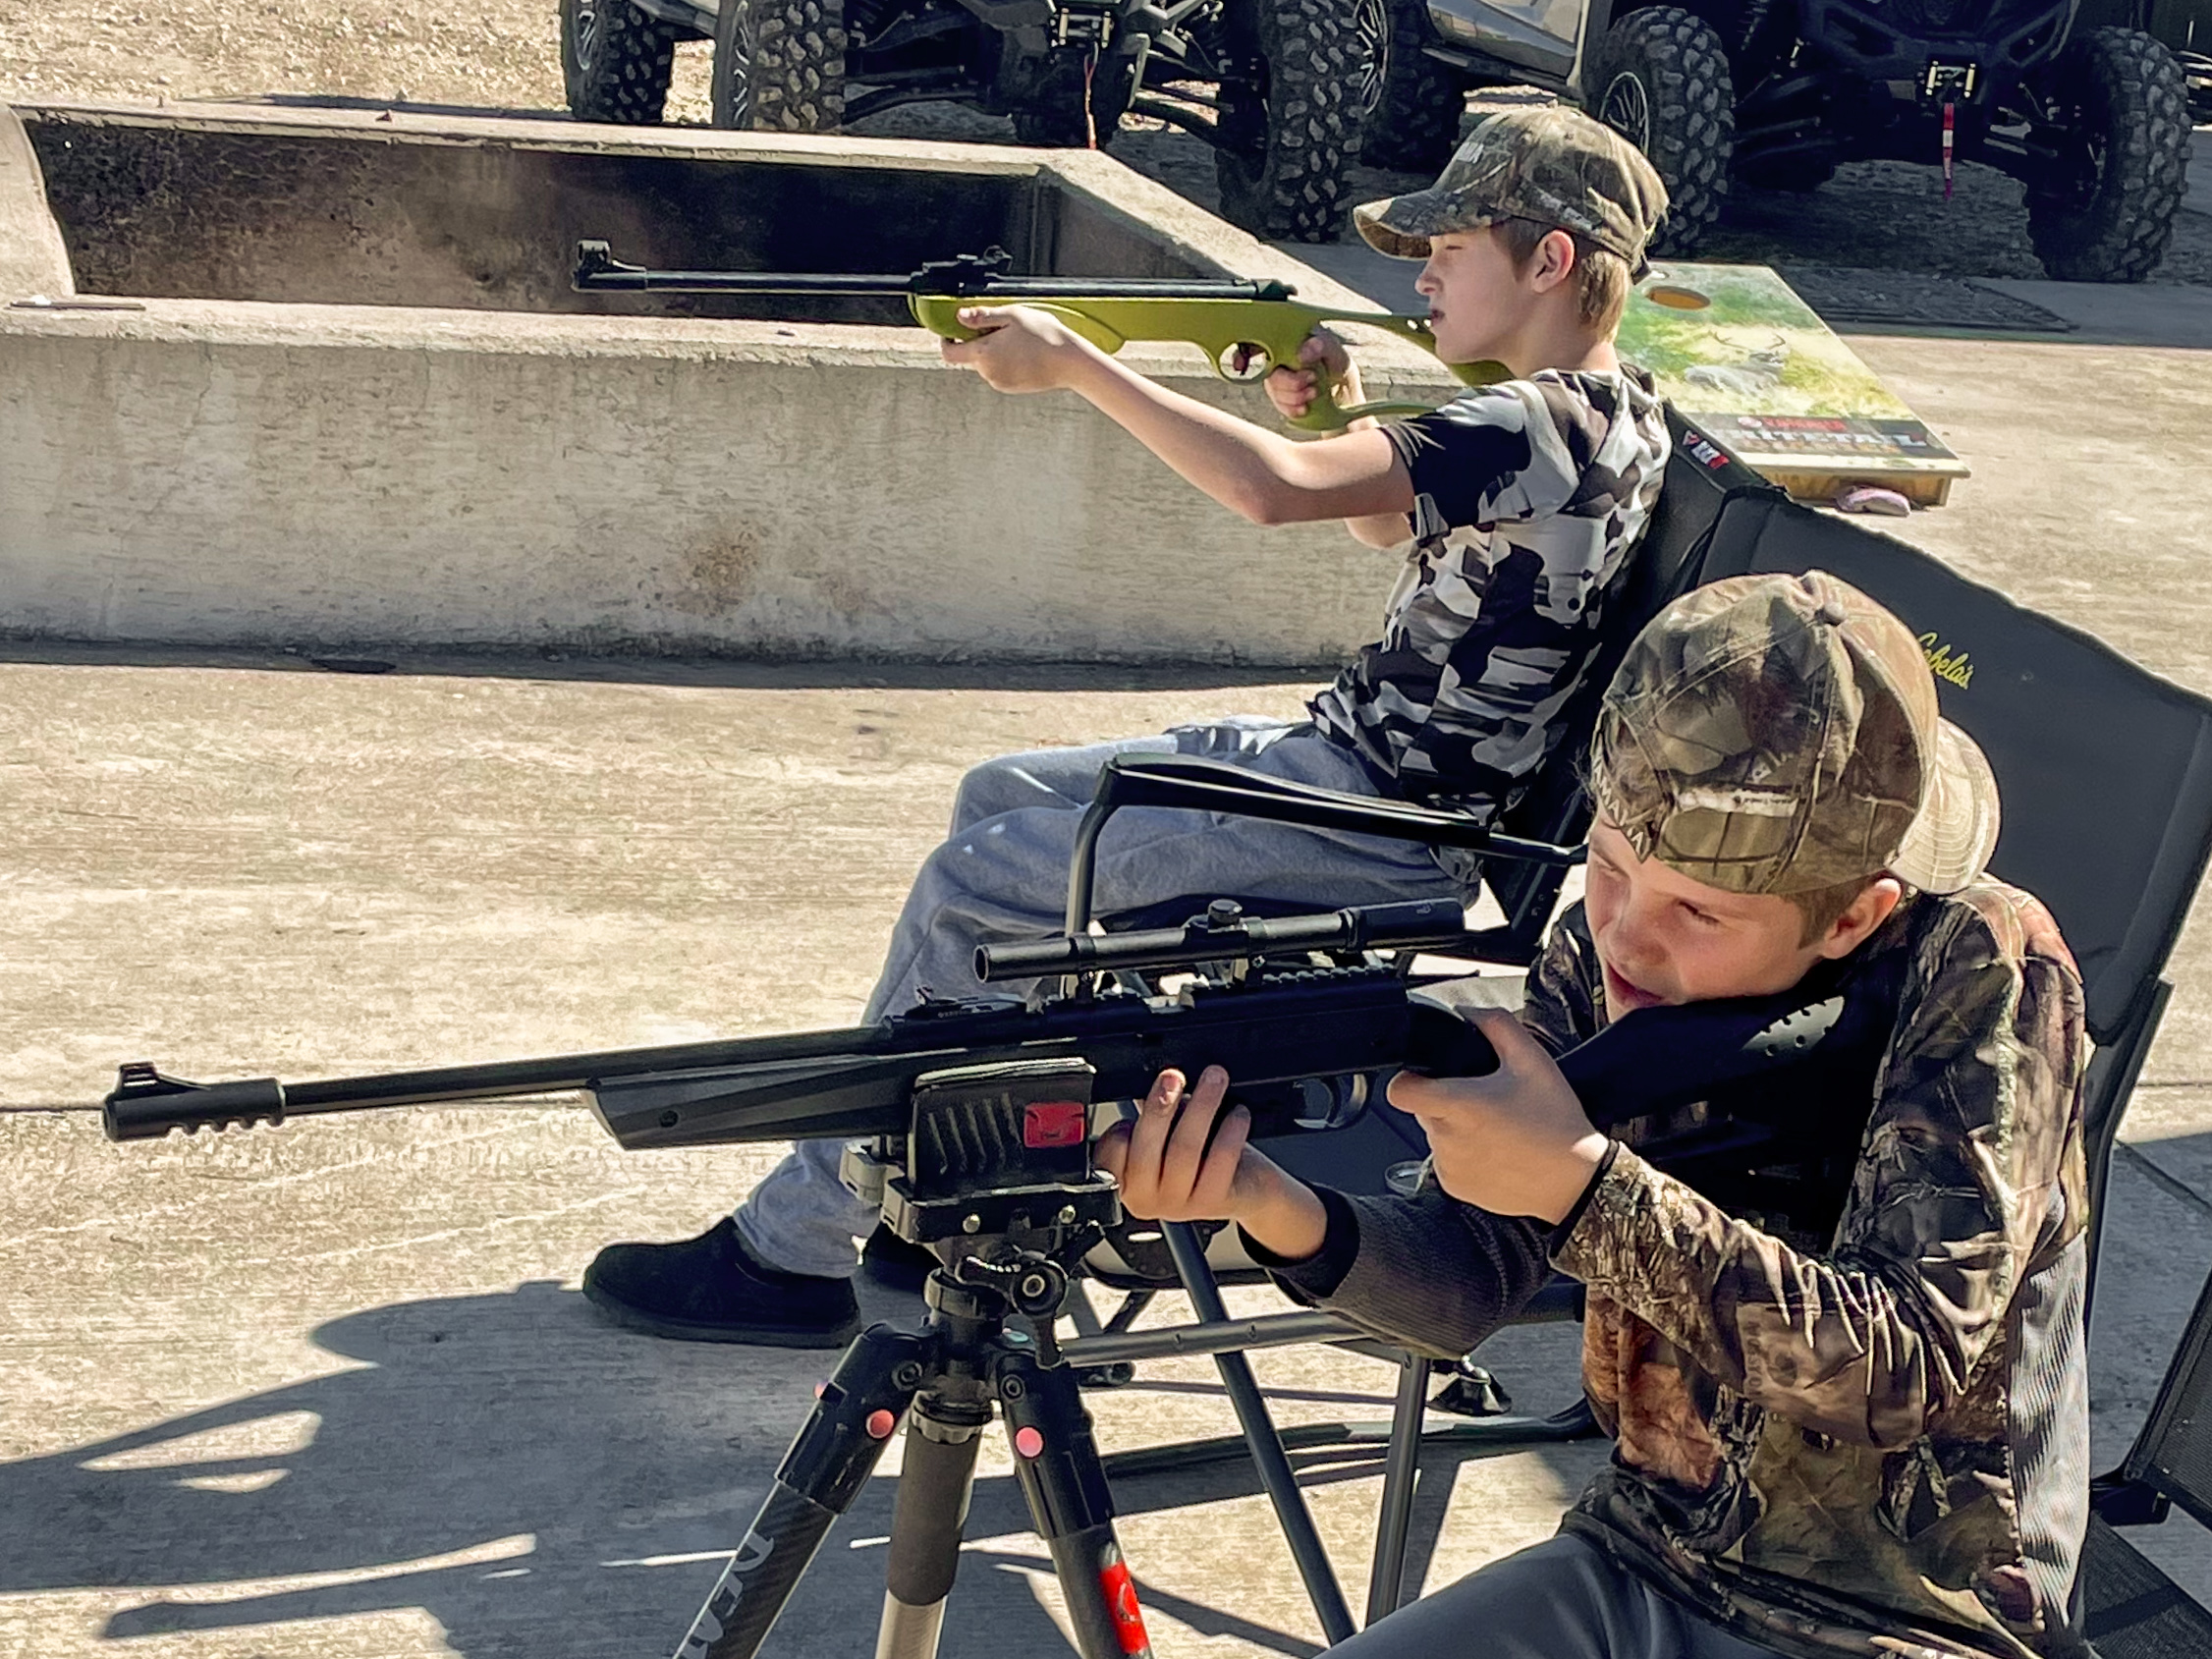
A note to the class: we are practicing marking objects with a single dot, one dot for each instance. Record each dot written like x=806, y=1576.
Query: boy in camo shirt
x=1846, y=1373
x=1523, y=501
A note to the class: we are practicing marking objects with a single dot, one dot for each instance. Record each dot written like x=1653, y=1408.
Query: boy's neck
x=1569, y=352
x=1553, y=334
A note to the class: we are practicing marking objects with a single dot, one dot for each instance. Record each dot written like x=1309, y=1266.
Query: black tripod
x=946, y=1378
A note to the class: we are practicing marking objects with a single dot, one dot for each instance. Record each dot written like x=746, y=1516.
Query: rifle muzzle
x=146, y=1105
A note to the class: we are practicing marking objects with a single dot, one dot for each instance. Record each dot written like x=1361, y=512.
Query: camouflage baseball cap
x=1779, y=734
x=1550, y=163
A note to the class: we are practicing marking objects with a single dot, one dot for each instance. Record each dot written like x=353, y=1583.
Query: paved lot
x=329, y=1390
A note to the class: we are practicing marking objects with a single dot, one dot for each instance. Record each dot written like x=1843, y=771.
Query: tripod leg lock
x=837, y=1448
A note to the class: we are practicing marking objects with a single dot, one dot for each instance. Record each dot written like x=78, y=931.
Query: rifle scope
x=1225, y=933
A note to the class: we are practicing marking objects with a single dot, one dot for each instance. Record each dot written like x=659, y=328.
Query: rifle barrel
x=145, y=1104
x=598, y=271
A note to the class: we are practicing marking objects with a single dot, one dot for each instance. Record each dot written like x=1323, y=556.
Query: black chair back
x=2104, y=767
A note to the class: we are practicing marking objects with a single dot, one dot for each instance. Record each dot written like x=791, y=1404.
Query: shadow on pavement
x=734, y=673
x=539, y=1484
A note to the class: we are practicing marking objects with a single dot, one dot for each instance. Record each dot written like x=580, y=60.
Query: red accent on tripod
x=1120, y=1601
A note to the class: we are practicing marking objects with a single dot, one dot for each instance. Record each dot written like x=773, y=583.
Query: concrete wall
x=235, y=471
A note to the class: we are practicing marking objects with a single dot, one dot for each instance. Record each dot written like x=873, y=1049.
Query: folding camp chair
x=2129, y=1609
x=2116, y=851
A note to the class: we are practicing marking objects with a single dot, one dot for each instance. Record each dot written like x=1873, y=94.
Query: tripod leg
x=815, y=1484
x=1055, y=1461
x=935, y=1484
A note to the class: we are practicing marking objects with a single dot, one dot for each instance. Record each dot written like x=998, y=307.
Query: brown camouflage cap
x=1550, y=163
x=1779, y=734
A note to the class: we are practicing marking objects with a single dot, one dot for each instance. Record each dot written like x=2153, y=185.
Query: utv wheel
x=1418, y=102
x=1660, y=78
x=615, y=61
x=779, y=65
x=1287, y=125
x=2122, y=134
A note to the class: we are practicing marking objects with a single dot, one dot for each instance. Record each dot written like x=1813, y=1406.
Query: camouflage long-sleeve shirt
x=1848, y=1394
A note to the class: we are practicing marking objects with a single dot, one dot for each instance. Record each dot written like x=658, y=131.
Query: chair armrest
x=1191, y=781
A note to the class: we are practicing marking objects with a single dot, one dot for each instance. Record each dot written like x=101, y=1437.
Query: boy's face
x=1477, y=301
x=1663, y=937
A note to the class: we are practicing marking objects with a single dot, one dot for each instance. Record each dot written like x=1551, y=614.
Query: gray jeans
x=1001, y=873
x=1561, y=1600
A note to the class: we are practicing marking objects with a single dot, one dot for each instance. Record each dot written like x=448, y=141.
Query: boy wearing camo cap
x=1844, y=1371
x=1520, y=505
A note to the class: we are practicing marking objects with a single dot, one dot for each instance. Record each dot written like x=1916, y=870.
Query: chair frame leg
x=1276, y=1476
x=1386, y=1578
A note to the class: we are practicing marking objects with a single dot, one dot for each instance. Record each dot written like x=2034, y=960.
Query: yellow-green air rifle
x=1244, y=328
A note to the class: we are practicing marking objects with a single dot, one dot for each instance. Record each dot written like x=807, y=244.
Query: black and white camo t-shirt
x=1528, y=497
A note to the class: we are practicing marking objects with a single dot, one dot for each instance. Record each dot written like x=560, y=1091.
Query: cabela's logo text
x=1958, y=670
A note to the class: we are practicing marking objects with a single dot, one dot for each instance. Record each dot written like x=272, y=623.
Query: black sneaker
x=712, y=1289
x=890, y=1261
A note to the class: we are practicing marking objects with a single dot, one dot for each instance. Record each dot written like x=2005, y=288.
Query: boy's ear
x=1864, y=914
x=1554, y=261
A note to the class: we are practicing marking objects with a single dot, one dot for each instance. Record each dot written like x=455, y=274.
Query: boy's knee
x=986, y=789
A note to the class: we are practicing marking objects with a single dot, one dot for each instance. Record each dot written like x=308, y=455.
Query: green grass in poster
x=1736, y=339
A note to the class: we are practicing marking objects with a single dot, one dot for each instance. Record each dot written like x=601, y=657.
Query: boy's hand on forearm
x=1168, y=1172
x=1017, y=347
x=1514, y=1142
x=1323, y=359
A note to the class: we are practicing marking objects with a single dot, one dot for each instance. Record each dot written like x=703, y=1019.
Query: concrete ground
x=329, y=1390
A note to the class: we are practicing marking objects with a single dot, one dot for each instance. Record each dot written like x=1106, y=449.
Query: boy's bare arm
x=1260, y=475
x=1290, y=390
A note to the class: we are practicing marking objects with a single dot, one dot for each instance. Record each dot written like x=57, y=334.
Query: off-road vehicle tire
x=1287, y=133
x=615, y=61
x=779, y=65
x=1415, y=122
x=2125, y=95
x=1660, y=78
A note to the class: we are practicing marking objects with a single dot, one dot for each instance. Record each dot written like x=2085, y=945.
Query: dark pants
x=1561, y=1600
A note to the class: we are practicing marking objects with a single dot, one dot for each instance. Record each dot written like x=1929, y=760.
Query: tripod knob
x=1039, y=1288
x=1033, y=1285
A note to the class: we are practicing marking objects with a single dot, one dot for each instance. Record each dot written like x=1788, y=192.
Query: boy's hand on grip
x=1016, y=349
x=1320, y=355
x=1514, y=1142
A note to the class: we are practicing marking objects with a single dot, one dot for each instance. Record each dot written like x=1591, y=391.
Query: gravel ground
x=505, y=54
